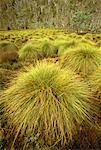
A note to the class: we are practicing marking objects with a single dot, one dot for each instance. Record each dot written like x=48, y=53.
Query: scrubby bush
x=84, y=59
x=48, y=102
x=8, y=52
x=80, y=20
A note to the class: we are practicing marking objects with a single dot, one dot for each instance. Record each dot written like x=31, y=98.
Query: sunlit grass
x=95, y=82
x=48, y=101
x=30, y=52
x=84, y=59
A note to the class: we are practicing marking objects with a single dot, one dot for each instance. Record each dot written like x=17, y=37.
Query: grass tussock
x=8, y=52
x=49, y=102
x=29, y=52
x=84, y=60
x=48, y=49
x=64, y=47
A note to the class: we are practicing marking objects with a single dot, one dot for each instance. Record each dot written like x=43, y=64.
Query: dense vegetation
x=73, y=14
x=50, y=82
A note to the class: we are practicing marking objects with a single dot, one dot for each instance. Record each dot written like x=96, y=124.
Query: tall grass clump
x=64, y=47
x=84, y=59
x=48, y=49
x=48, y=102
x=30, y=52
x=8, y=52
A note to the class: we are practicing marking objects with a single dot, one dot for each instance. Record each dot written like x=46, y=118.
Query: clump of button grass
x=30, y=52
x=64, y=47
x=37, y=49
x=49, y=102
x=48, y=49
x=84, y=59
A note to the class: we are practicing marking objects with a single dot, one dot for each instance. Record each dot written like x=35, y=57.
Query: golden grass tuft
x=64, y=47
x=48, y=49
x=48, y=101
x=84, y=59
x=30, y=52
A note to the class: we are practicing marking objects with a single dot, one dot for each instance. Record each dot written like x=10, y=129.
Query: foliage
x=48, y=49
x=88, y=42
x=63, y=48
x=30, y=52
x=84, y=59
x=98, y=43
x=8, y=52
x=25, y=14
x=37, y=49
x=2, y=140
x=95, y=82
x=48, y=102
x=5, y=77
x=80, y=19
